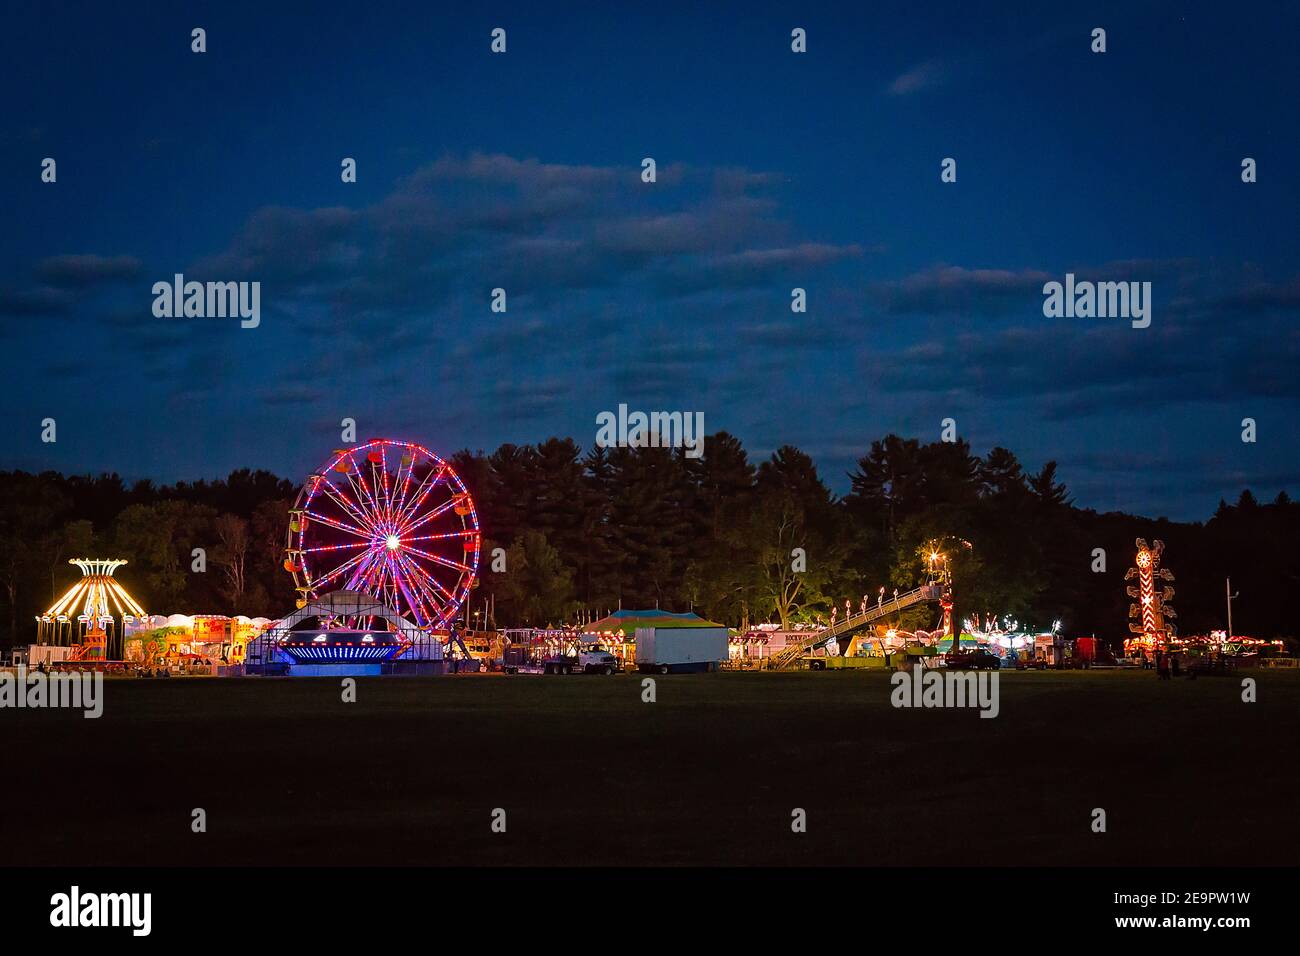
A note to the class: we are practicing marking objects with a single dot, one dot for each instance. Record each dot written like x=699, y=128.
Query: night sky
x=776, y=170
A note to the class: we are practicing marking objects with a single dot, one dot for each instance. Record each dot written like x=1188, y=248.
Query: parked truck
x=588, y=660
x=680, y=650
x=518, y=659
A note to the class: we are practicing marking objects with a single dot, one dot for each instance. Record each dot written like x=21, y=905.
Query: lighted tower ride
x=1151, y=613
x=88, y=612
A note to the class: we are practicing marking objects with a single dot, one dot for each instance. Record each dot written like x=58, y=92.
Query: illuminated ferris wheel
x=390, y=519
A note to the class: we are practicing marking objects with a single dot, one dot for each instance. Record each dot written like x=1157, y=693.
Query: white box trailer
x=47, y=654
x=664, y=650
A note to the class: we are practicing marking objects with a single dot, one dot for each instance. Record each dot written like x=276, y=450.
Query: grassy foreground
x=709, y=774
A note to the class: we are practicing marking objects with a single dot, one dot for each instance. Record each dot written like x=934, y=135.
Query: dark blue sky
x=775, y=170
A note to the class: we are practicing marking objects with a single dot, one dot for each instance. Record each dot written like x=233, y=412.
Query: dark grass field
x=588, y=774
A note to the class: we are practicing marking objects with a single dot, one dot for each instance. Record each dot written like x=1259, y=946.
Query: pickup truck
x=588, y=661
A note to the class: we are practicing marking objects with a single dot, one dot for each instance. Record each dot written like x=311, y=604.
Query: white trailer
x=663, y=650
x=47, y=654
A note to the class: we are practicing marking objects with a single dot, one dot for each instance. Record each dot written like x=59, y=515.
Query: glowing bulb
x=394, y=542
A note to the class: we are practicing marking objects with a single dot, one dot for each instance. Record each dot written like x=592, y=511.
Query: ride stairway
x=791, y=653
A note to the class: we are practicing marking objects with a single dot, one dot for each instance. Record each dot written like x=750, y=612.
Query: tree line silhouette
x=737, y=541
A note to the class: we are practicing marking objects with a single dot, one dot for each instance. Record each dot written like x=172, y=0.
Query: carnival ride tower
x=1152, y=612
x=88, y=609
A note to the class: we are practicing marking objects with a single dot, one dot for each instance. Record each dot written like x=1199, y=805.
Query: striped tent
x=626, y=622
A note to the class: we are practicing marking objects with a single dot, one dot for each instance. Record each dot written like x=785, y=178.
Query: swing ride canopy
x=96, y=596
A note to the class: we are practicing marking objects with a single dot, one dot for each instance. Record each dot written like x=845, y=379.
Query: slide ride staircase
x=790, y=655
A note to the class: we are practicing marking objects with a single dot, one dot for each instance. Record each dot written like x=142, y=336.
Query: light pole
x=1227, y=589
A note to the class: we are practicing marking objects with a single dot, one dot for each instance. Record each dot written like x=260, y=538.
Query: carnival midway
x=384, y=545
